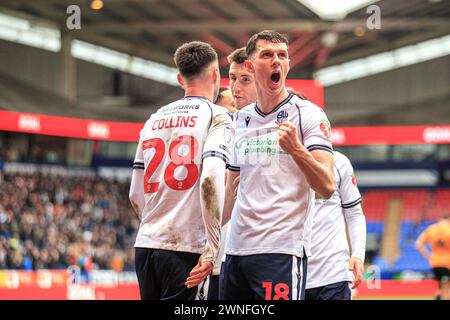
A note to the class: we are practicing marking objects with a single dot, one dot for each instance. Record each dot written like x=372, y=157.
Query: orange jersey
x=438, y=237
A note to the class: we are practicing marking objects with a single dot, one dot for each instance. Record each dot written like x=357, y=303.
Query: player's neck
x=266, y=103
x=199, y=91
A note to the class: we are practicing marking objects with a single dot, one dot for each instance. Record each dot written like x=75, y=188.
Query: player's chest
x=257, y=139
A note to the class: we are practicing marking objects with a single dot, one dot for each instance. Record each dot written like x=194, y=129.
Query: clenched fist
x=288, y=134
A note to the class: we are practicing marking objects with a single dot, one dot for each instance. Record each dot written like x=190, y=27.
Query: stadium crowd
x=53, y=221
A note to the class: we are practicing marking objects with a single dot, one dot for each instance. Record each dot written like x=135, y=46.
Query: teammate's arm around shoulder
x=314, y=156
x=136, y=194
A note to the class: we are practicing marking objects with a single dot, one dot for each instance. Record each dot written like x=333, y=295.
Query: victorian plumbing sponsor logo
x=98, y=130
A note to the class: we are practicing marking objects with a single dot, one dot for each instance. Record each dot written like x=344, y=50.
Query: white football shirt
x=274, y=198
x=330, y=253
x=172, y=146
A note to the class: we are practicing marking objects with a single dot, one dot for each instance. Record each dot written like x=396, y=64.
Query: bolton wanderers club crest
x=282, y=115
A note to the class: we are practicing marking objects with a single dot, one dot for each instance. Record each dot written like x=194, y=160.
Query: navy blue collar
x=278, y=106
x=200, y=97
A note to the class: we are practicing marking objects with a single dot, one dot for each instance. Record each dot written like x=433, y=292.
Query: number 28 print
x=186, y=161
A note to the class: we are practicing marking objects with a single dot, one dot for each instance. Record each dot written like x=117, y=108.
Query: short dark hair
x=268, y=35
x=238, y=56
x=193, y=57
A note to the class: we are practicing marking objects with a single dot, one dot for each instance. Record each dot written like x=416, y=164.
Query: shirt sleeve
x=138, y=162
x=351, y=204
x=348, y=189
x=233, y=165
x=315, y=128
x=212, y=182
x=356, y=222
x=136, y=194
x=219, y=137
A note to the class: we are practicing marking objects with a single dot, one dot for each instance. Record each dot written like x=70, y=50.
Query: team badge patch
x=282, y=115
x=325, y=128
x=354, y=180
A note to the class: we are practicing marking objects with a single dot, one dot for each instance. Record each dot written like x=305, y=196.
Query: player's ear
x=216, y=77
x=215, y=74
x=180, y=79
x=249, y=66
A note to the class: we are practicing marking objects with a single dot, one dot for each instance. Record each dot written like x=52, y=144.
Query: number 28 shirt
x=171, y=149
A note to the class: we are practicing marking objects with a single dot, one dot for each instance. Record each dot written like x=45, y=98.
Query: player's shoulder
x=220, y=115
x=217, y=109
x=250, y=108
x=434, y=228
x=159, y=111
x=309, y=108
x=188, y=103
x=305, y=105
x=342, y=163
x=246, y=111
x=172, y=106
x=341, y=158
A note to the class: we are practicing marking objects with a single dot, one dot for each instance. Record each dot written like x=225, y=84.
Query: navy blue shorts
x=263, y=277
x=213, y=287
x=335, y=291
x=162, y=274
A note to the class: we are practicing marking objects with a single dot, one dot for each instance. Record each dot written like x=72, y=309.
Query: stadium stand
x=420, y=208
x=51, y=222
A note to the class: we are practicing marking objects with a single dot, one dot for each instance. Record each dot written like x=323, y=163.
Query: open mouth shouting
x=275, y=77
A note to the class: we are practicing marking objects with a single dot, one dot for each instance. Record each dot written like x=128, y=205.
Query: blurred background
x=79, y=78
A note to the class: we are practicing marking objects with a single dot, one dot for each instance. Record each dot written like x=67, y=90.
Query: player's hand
x=199, y=273
x=288, y=137
x=357, y=267
x=235, y=186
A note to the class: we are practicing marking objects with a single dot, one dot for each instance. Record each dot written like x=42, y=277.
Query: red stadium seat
x=441, y=204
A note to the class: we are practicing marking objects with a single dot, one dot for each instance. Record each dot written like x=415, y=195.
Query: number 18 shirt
x=274, y=198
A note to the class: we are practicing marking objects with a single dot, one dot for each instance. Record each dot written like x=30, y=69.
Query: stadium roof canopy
x=321, y=33
x=335, y=10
